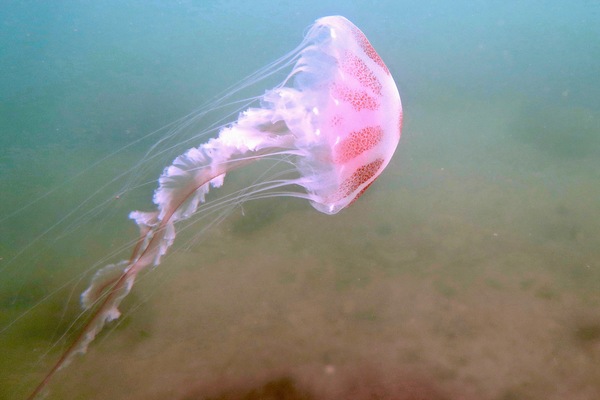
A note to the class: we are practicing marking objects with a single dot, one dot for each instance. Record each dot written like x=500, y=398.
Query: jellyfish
x=336, y=118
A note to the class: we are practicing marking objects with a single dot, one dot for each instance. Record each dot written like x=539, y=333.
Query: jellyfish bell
x=336, y=117
x=344, y=112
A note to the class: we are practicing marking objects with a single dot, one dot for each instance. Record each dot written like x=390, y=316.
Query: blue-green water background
x=469, y=269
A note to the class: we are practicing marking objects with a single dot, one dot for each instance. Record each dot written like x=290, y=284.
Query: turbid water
x=468, y=270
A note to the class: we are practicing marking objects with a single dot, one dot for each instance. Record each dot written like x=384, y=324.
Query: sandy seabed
x=460, y=275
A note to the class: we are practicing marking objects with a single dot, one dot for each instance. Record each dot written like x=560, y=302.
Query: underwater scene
x=469, y=269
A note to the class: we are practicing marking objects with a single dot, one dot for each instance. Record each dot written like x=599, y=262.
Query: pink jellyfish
x=337, y=115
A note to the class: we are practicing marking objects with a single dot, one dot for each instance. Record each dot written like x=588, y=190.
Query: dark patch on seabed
x=284, y=388
x=362, y=384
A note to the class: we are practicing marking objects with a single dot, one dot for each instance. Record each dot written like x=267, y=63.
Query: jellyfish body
x=338, y=114
x=347, y=114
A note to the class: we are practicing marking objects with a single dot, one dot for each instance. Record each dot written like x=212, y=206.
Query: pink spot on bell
x=357, y=143
x=368, y=49
x=359, y=69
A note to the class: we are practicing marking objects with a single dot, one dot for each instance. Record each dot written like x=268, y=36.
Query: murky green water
x=469, y=269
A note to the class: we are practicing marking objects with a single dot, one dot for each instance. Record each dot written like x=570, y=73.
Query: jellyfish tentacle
x=182, y=188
